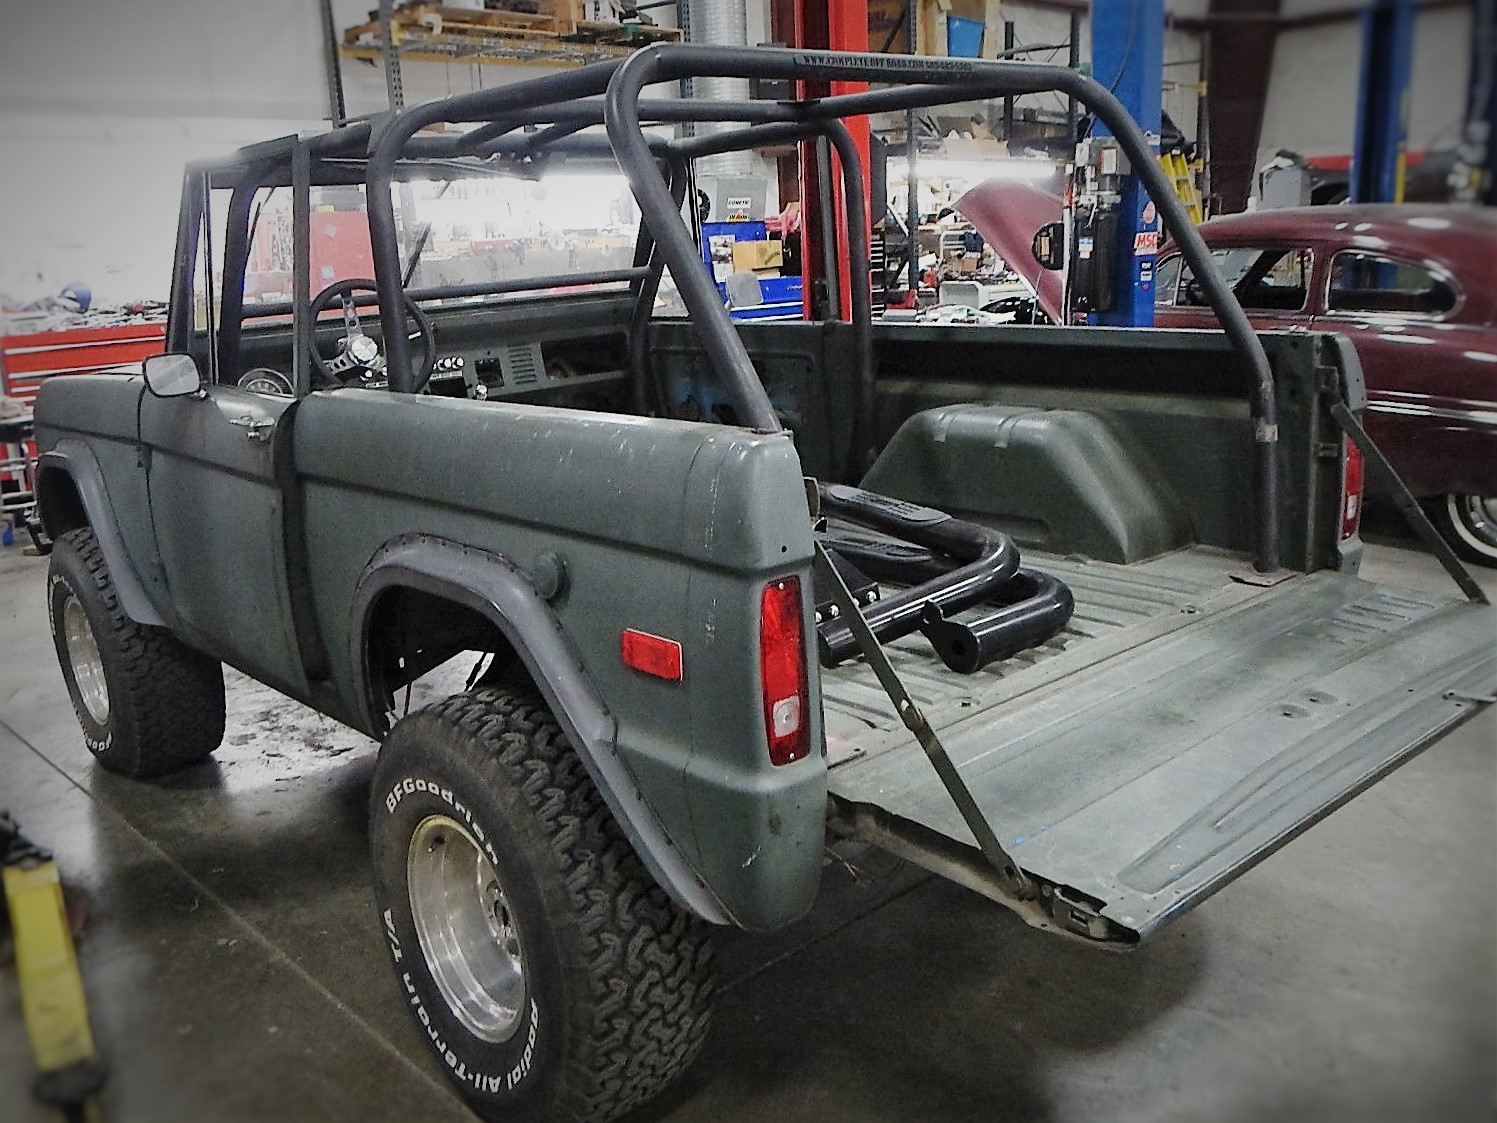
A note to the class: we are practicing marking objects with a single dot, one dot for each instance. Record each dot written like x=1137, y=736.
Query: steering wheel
x=361, y=358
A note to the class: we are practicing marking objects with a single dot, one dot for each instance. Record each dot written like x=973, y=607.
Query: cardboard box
x=886, y=19
x=973, y=148
x=756, y=255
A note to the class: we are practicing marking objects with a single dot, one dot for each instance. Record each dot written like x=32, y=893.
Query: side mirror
x=1049, y=245
x=172, y=376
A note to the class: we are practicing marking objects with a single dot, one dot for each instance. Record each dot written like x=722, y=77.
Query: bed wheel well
x=411, y=632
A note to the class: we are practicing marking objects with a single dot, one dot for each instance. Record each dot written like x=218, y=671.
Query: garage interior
x=228, y=940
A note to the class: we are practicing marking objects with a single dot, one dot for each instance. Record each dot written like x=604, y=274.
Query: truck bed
x=1241, y=714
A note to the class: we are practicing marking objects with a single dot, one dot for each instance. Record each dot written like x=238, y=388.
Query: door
x=217, y=509
x=217, y=512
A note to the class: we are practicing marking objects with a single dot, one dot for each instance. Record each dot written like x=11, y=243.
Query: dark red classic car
x=1415, y=288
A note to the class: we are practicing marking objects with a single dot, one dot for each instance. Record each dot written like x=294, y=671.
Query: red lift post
x=836, y=25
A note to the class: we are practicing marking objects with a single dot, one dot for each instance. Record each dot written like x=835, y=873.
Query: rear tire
x=147, y=702
x=551, y=976
x=1469, y=524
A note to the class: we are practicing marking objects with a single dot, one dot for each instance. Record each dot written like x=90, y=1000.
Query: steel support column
x=1475, y=174
x=1378, y=157
x=1128, y=56
x=1240, y=36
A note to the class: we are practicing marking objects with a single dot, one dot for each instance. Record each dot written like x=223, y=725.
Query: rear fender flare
x=75, y=460
x=495, y=587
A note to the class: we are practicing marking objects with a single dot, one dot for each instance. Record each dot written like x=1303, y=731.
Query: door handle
x=255, y=428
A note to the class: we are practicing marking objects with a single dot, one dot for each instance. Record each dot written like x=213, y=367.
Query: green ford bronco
x=718, y=588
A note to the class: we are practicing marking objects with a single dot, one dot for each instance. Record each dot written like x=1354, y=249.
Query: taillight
x=1351, y=490
x=782, y=669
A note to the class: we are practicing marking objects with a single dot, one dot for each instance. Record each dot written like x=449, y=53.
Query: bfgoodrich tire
x=148, y=704
x=552, y=978
x=1469, y=524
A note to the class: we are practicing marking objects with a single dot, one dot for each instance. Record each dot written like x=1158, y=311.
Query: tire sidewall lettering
x=409, y=799
x=414, y=785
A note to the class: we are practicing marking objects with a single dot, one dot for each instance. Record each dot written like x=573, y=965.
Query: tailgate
x=1148, y=779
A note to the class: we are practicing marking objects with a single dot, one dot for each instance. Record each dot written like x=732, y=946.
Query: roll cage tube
x=388, y=143
x=860, y=453
x=645, y=291
x=916, y=82
x=974, y=78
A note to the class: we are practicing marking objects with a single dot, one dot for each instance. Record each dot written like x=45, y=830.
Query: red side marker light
x=653, y=655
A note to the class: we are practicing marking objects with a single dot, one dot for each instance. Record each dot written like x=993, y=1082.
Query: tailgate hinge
x=1467, y=696
x=1078, y=916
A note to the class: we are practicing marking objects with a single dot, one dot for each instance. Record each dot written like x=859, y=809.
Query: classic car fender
x=72, y=460
x=503, y=593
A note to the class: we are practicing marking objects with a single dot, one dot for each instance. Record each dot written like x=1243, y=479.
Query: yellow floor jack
x=69, y=1072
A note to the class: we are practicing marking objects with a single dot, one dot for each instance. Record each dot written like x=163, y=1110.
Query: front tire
x=148, y=704
x=1469, y=524
x=553, y=979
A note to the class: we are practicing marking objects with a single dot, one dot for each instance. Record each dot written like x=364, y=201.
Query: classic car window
x=1167, y=280
x=1263, y=279
x=1367, y=282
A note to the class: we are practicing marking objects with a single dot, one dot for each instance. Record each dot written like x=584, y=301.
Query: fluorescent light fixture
x=1000, y=167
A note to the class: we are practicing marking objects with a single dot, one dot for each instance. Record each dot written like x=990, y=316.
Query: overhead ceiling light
x=1003, y=167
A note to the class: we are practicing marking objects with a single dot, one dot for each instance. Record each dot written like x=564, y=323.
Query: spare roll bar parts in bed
x=911, y=82
x=1035, y=607
x=983, y=562
x=961, y=565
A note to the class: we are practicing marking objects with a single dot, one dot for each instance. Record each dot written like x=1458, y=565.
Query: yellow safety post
x=52, y=1000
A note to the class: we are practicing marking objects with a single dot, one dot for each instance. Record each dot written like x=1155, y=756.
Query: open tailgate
x=1147, y=780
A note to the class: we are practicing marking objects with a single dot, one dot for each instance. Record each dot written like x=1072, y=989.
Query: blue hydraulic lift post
x=1378, y=156
x=1128, y=58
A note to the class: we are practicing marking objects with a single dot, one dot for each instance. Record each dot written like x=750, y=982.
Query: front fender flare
x=493, y=586
x=74, y=459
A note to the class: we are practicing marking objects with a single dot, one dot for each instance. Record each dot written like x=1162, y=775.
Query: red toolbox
x=26, y=361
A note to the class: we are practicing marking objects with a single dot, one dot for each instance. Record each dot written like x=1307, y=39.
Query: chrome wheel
x=467, y=934
x=83, y=656
x=1475, y=519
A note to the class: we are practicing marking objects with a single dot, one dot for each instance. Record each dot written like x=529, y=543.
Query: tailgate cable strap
x=1017, y=881
x=52, y=1001
x=1404, y=500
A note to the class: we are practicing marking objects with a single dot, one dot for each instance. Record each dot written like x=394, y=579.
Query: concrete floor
x=235, y=969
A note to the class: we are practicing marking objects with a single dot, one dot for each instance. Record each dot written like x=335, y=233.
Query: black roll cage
x=521, y=126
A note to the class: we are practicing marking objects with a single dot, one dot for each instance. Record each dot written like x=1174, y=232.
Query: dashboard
x=527, y=368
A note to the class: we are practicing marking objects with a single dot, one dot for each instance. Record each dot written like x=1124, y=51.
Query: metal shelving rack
x=553, y=36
